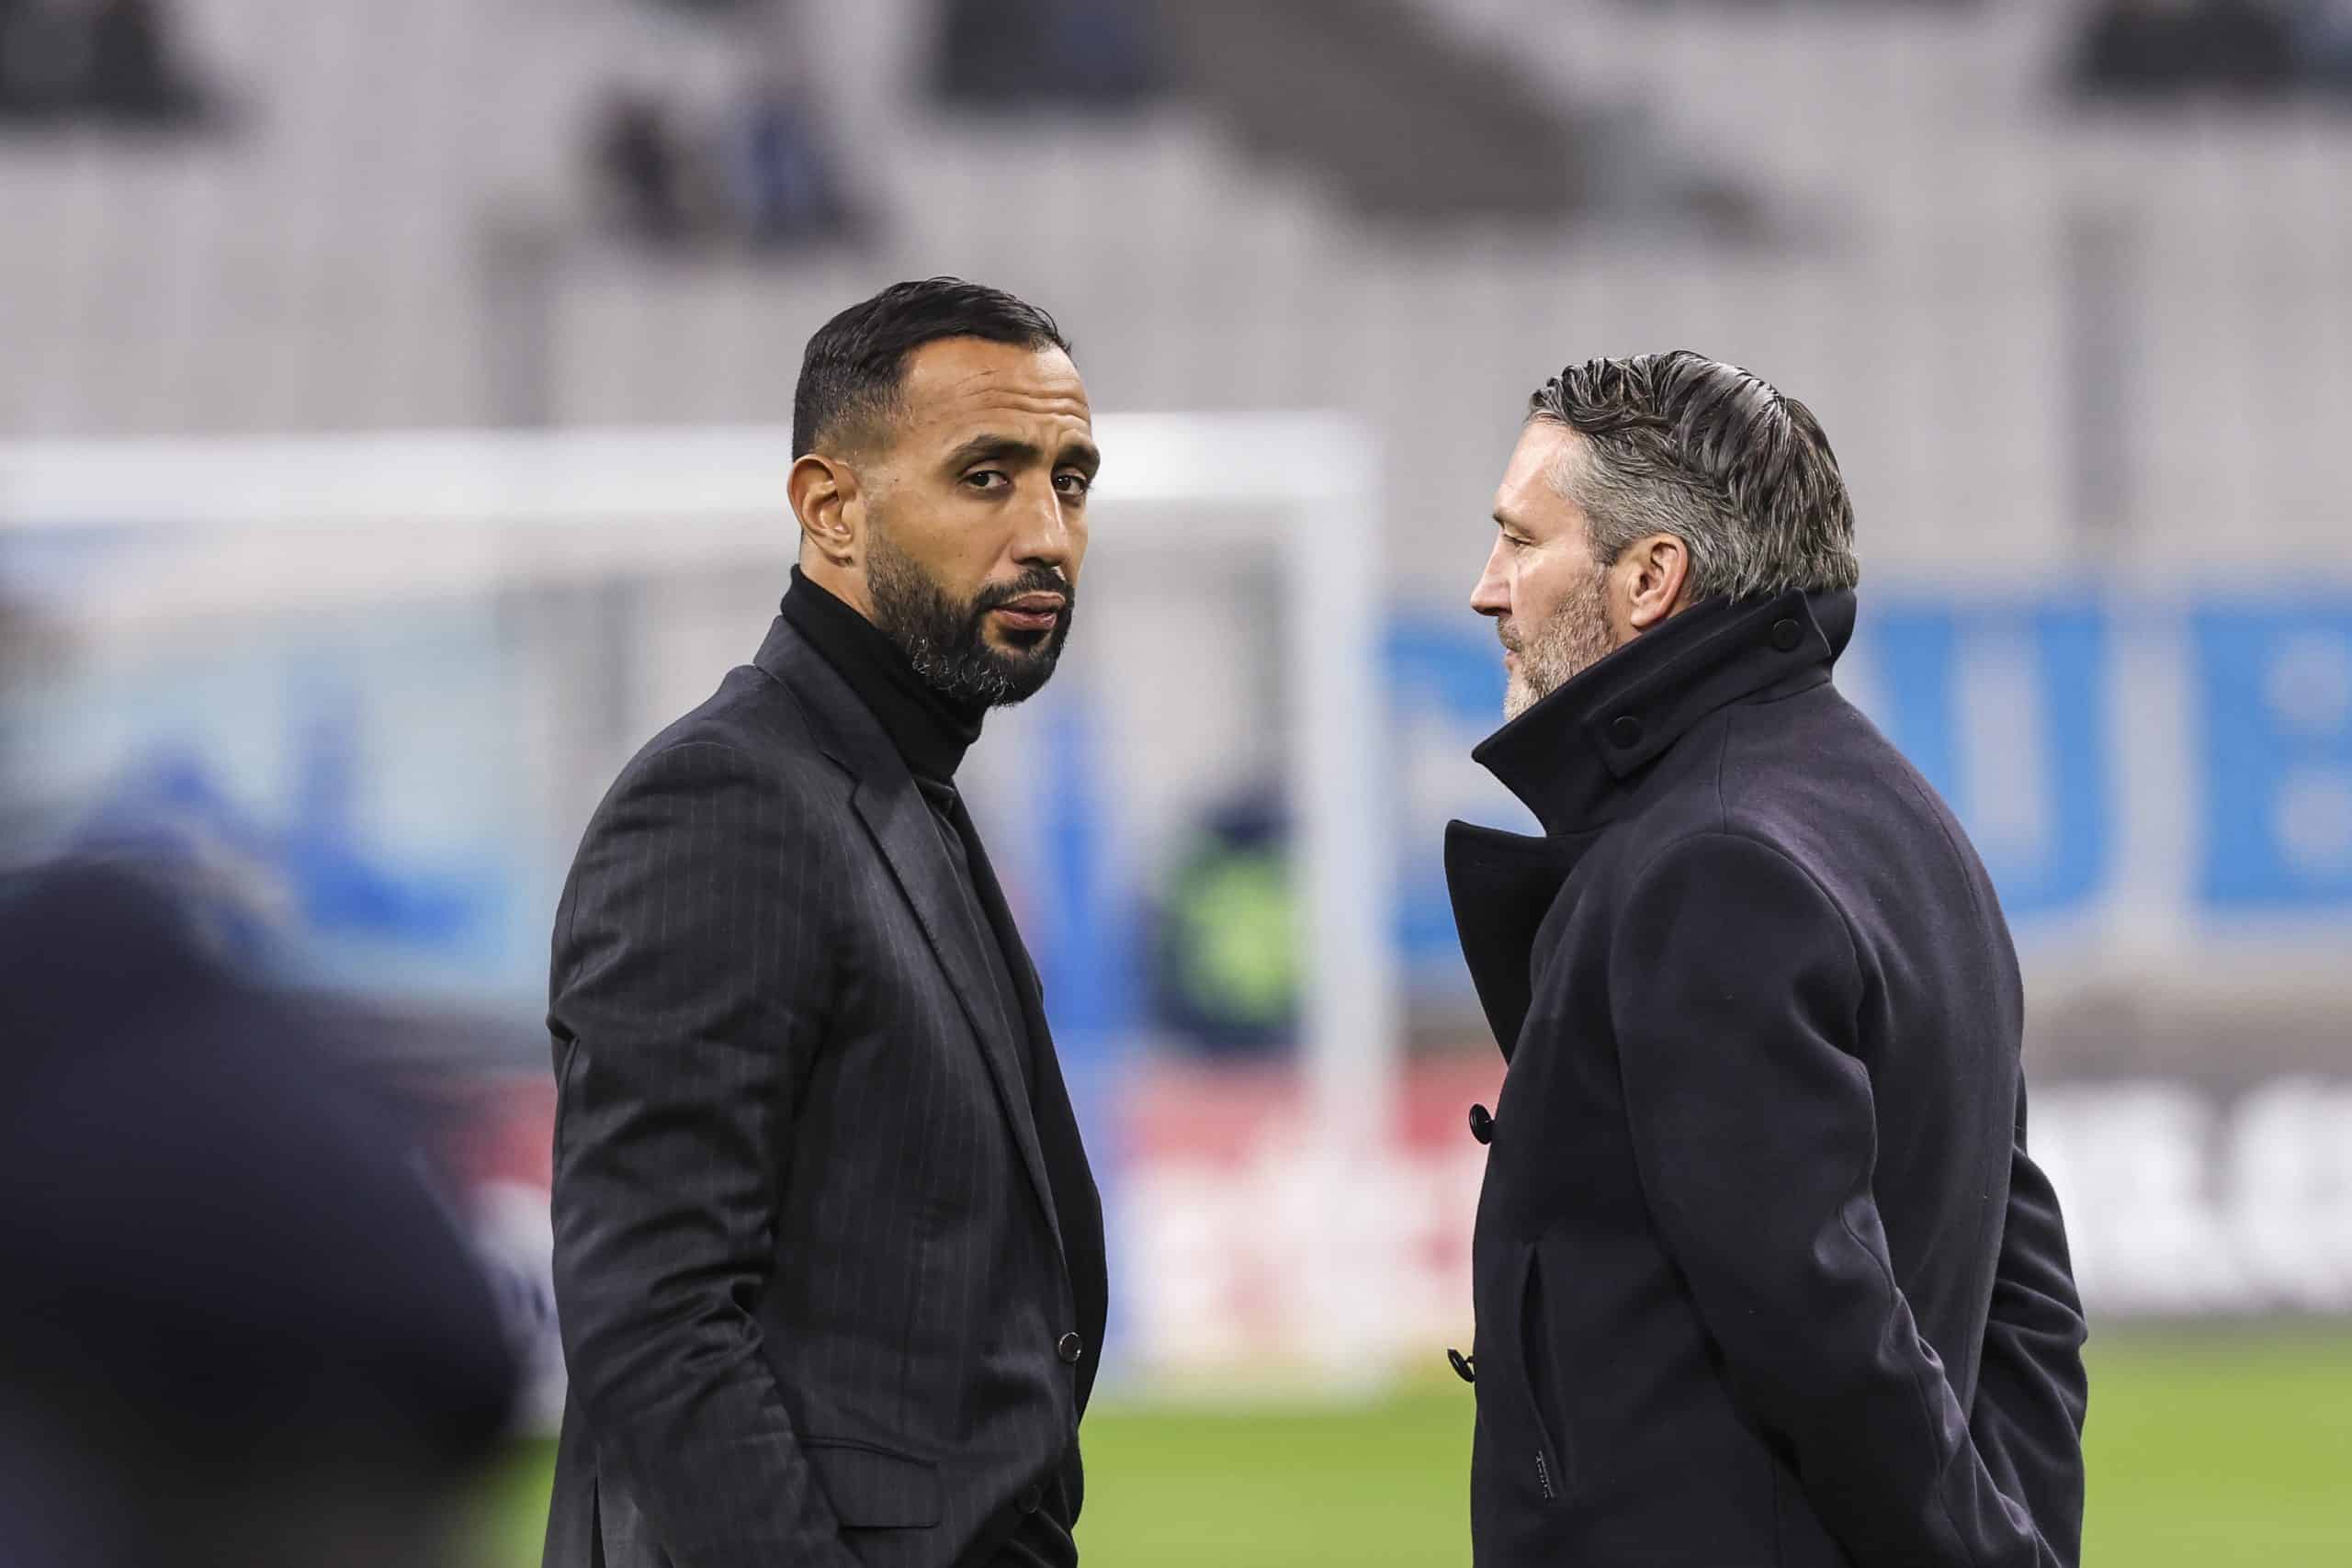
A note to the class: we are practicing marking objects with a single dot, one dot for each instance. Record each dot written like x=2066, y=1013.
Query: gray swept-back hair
x=1682, y=445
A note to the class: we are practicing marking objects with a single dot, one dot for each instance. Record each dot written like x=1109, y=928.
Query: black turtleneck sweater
x=931, y=734
x=930, y=731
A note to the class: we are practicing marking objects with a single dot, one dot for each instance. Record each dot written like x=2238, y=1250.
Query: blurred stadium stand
x=1403, y=121
x=2035, y=325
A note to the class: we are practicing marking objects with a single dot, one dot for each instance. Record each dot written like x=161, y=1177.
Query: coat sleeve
x=2032, y=1392
x=1734, y=989
x=685, y=997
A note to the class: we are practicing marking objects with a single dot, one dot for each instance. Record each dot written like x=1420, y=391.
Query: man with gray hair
x=1763, y=1274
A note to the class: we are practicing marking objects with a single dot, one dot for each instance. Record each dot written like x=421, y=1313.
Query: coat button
x=1070, y=1348
x=1482, y=1123
x=1031, y=1495
x=1786, y=635
x=1465, y=1367
x=1626, y=733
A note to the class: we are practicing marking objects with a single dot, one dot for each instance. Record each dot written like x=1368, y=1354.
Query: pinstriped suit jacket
x=816, y=1250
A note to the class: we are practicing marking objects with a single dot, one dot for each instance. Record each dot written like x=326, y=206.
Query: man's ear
x=1658, y=575
x=827, y=504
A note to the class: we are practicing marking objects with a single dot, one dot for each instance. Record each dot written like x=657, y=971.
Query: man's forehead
x=1526, y=494
x=956, y=380
x=1541, y=444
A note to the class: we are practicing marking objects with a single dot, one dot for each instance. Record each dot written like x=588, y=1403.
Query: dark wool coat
x=1763, y=1274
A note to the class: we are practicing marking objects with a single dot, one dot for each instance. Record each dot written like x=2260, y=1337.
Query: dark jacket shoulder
x=753, y=714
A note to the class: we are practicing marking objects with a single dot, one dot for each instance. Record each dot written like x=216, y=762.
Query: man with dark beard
x=828, y=1254
x=1762, y=1271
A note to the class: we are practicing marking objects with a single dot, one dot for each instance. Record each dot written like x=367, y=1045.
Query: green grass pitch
x=2204, y=1451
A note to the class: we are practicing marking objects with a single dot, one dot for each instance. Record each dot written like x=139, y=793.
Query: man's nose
x=1046, y=535
x=1492, y=595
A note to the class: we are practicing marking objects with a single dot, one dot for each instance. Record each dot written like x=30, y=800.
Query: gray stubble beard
x=1572, y=641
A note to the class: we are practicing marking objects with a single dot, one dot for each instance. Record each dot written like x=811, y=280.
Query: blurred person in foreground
x=1762, y=1272
x=236, y=1328
x=827, y=1253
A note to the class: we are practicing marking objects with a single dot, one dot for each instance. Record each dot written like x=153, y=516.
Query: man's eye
x=1073, y=484
x=987, y=478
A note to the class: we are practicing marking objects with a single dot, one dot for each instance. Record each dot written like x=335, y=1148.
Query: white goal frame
x=255, y=523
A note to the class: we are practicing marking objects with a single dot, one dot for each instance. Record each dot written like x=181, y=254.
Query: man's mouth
x=1032, y=612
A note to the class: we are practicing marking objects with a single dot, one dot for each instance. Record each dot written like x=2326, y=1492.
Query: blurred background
x=392, y=407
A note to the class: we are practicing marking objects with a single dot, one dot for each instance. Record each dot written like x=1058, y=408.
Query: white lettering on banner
x=2177, y=1203
x=2131, y=1167
x=1232, y=1264
x=2012, y=783
x=2289, y=1161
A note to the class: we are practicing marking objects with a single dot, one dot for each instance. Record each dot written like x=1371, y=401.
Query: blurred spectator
x=2158, y=49
x=109, y=59
x=698, y=165
x=1225, y=961
x=44, y=47
x=642, y=168
x=1024, y=54
x=781, y=180
x=2325, y=42
x=235, y=1325
x=132, y=73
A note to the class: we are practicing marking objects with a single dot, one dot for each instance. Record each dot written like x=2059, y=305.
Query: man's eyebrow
x=1082, y=455
x=1008, y=448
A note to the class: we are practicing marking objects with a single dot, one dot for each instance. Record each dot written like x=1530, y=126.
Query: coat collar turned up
x=1577, y=758
x=1573, y=756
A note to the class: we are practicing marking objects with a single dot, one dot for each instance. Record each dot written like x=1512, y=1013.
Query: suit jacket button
x=1786, y=635
x=1031, y=1495
x=1626, y=733
x=1070, y=1348
x=1482, y=1123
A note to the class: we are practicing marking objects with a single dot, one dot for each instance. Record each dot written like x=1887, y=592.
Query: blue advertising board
x=356, y=776
x=2027, y=716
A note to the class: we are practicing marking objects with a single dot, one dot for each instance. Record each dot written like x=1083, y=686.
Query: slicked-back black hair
x=856, y=362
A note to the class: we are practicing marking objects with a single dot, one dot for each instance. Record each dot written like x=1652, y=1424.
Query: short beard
x=1574, y=641
x=947, y=642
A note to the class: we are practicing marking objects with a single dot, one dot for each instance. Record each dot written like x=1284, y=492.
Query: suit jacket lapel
x=908, y=835
x=1075, y=1205
x=903, y=829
